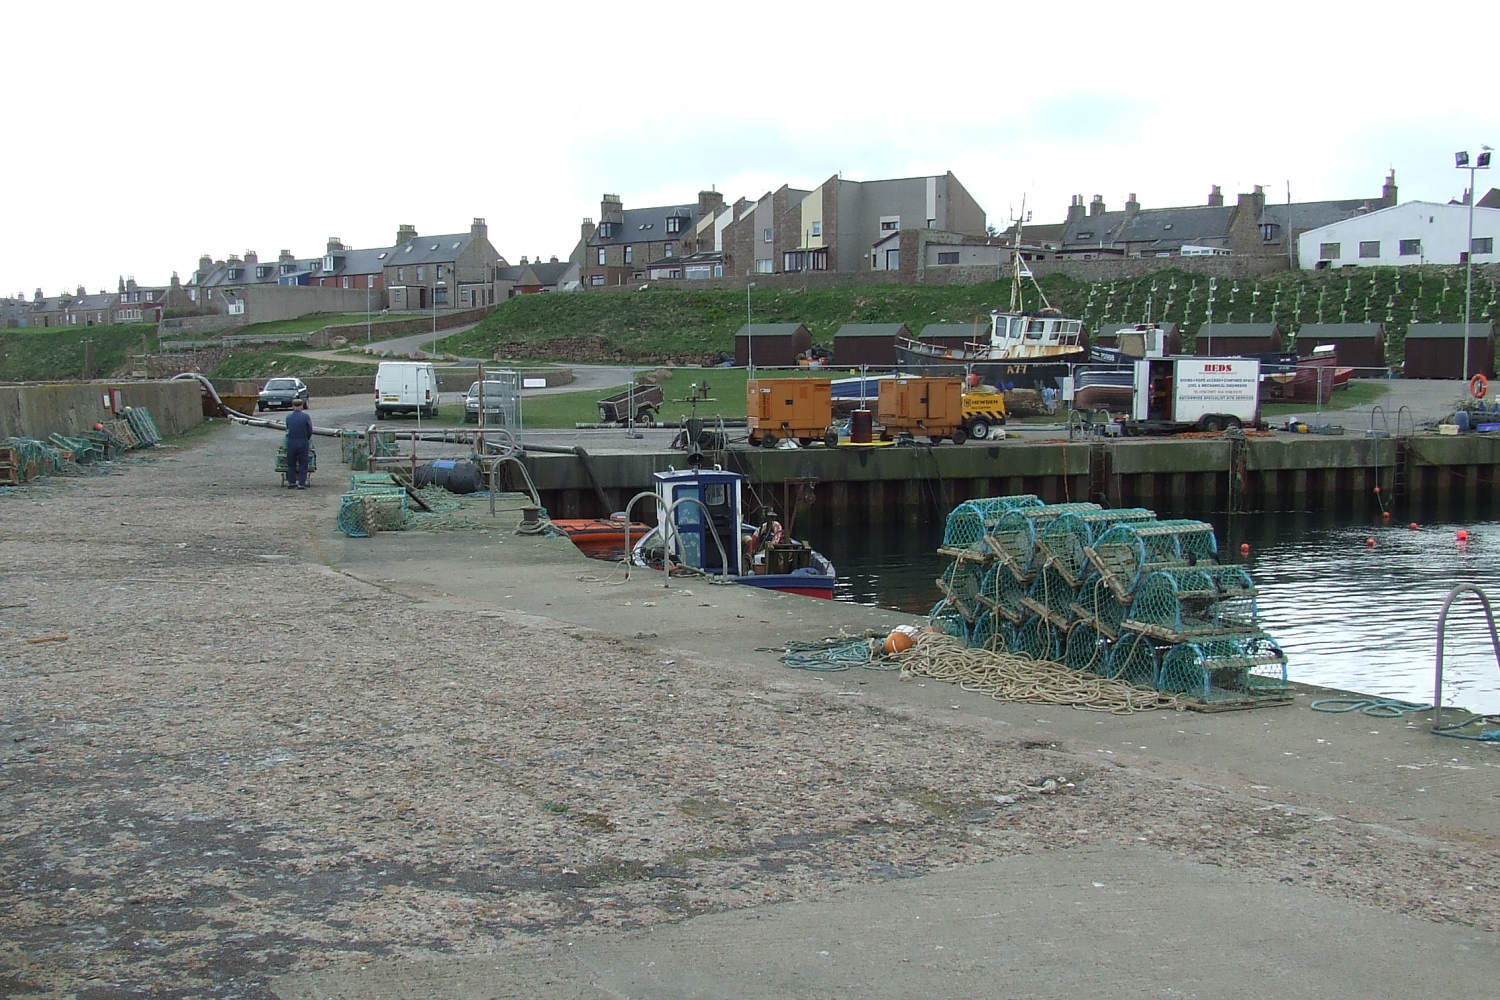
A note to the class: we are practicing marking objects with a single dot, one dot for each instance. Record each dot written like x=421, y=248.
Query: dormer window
x=262, y=270
x=608, y=230
x=674, y=224
x=234, y=274
x=328, y=263
x=286, y=269
x=1085, y=236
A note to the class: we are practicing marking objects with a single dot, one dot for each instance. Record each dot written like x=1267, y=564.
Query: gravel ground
x=241, y=761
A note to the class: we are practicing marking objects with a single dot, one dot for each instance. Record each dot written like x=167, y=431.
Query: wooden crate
x=10, y=467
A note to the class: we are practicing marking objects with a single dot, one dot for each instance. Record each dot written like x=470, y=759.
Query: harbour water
x=1349, y=615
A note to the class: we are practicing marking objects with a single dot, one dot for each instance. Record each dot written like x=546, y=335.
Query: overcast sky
x=142, y=135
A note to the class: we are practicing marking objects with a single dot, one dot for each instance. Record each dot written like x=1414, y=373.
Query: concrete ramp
x=1069, y=924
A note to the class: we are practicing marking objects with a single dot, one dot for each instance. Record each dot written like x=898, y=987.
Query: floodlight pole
x=1461, y=160
x=750, y=334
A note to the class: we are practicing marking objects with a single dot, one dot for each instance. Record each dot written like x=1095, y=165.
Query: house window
x=950, y=257
x=419, y=273
x=629, y=254
x=718, y=270
x=328, y=263
x=791, y=261
x=440, y=270
x=1269, y=232
x=674, y=223
x=596, y=279
x=601, y=258
x=817, y=229
x=346, y=282
x=762, y=265
x=1482, y=244
x=931, y=223
x=765, y=236
x=234, y=274
x=1410, y=248
x=261, y=272
x=236, y=308
x=369, y=281
x=669, y=251
x=1329, y=251
x=400, y=274
x=890, y=223
x=1369, y=249
x=607, y=229
x=674, y=273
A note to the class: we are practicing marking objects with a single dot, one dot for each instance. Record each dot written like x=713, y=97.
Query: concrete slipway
x=184, y=778
x=1118, y=920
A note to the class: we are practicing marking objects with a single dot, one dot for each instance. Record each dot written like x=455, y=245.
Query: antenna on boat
x=1018, y=268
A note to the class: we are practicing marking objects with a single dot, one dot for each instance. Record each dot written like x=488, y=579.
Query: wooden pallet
x=10, y=467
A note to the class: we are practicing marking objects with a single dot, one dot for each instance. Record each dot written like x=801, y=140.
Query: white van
x=406, y=387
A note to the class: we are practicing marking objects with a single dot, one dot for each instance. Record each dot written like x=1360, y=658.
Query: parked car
x=279, y=393
x=496, y=402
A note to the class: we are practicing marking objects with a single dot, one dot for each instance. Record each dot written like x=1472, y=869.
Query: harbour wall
x=1434, y=474
x=38, y=411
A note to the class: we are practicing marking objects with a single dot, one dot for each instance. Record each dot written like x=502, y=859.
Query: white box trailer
x=1194, y=393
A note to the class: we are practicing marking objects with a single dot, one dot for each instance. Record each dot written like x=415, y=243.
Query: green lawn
x=316, y=321
x=38, y=355
x=244, y=364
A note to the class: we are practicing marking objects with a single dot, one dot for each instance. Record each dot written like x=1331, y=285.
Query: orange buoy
x=1463, y=535
x=1244, y=548
x=1377, y=489
x=1369, y=543
x=902, y=638
x=1413, y=526
x=1385, y=515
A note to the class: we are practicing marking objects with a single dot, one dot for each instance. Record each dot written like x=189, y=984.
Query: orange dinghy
x=601, y=537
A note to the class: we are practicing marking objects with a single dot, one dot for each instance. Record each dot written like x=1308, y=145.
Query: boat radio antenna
x=1017, y=268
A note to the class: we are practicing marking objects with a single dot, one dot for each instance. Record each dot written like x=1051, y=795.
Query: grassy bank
x=38, y=355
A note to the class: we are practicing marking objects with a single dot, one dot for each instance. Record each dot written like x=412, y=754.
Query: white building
x=1418, y=232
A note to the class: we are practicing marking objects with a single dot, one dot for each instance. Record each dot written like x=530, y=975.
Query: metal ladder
x=1442, y=622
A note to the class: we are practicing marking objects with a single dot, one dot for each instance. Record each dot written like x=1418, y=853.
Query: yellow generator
x=797, y=408
x=932, y=407
x=984, y=413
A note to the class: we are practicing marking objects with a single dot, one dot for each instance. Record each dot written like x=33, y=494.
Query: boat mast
x=1017, y=268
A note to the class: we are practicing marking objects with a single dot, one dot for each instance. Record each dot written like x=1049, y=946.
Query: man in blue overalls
x=298, y=442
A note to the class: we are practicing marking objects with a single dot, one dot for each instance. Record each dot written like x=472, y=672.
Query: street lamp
x=433, y=295
x=1482, y=162
x=749, y=334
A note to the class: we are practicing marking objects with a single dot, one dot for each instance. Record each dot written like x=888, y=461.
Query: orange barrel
x=861, y=426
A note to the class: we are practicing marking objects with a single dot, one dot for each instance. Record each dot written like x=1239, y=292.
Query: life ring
x=1478, y=386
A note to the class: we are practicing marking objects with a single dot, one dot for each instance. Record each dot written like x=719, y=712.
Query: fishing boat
x=1024, y=350
x=1311, y=379
x=1108, y=382
x=700, y=528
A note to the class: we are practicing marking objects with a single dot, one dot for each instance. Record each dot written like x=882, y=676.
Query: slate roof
x=650, y=224
x=428, y=250
x=550, y=273
x=364, y=261
x=872, y=330
x=1447, y=331
x=1315, y=214
x=1339, y=331
x=769, y=329
x=57, y=303
x=971, y=331
x=1237, y=330
x=1151, y=228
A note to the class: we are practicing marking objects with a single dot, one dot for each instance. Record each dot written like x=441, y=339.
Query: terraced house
x=839, y=226
x=78, y=309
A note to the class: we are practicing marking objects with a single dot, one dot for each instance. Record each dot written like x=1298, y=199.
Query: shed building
x=1222, y=340
x=1171, y=336
x=1358, y=345
x=775, y=345
x=1436, y=350
x=871, y=344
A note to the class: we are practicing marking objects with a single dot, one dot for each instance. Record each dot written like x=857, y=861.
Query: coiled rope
x=1379, y=708
x=1021, y=678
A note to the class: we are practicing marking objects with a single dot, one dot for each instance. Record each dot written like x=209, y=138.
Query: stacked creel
x=1114, y=592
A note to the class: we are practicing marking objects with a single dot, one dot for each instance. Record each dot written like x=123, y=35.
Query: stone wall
x=40, y=410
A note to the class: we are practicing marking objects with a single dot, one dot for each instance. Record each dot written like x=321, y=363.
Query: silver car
x=496, y=402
